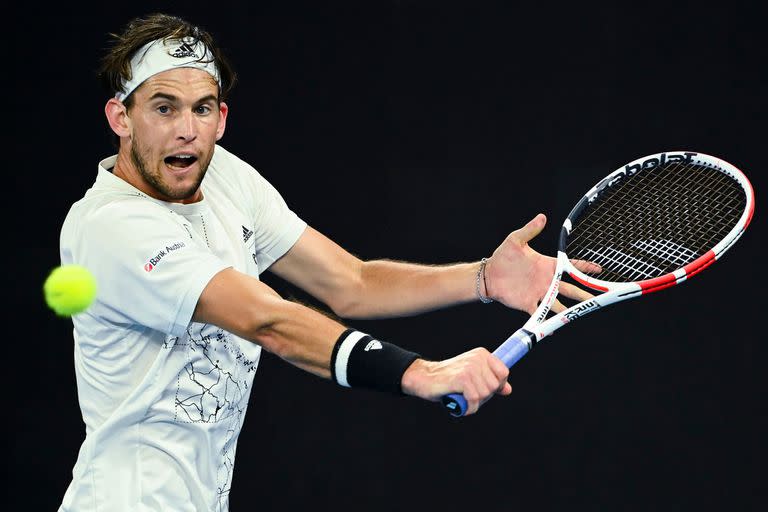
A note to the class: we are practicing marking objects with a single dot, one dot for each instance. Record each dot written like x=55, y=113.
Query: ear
x=223, y=111
x=117, y=117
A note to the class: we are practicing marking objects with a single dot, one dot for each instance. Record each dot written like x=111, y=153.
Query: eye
x=203, y=109
x=163, y=109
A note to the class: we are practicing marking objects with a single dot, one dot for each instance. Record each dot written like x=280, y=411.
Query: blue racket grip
x=510, y=352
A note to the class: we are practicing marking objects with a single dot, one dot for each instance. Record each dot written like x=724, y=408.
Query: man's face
x=175, y=122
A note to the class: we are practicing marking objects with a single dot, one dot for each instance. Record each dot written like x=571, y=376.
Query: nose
x=187, y=128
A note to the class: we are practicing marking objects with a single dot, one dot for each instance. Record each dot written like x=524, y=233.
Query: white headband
x=158, y=56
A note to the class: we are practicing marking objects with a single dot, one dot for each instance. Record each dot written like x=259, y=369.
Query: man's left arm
x=515, y=275
x=354, y=288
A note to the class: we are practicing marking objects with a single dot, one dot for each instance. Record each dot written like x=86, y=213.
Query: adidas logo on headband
x=185, y=50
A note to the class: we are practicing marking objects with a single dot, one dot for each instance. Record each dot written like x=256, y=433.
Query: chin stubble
x=155, y=180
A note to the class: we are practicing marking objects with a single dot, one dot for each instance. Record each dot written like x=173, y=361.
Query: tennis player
x=177, y=230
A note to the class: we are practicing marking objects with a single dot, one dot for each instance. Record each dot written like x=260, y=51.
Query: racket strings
x=655, y=250
x=656, y=221
x=675, y=220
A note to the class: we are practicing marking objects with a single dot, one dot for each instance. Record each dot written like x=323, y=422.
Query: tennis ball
x=69, y=289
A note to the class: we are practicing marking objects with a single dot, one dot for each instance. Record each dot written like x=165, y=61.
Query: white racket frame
x=538, y=326
x=541, y=327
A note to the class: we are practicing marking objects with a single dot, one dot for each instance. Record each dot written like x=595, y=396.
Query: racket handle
x=510, y=352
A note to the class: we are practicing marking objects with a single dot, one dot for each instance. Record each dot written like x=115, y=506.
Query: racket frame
x=538, y=326
x=614, y=292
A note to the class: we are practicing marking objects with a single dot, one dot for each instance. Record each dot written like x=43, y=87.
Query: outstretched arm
x=515, y=274
x=353, y=288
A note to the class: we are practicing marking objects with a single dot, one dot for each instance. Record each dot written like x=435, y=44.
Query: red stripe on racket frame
x=700, y=264
x=588, y=284
x=668, y=280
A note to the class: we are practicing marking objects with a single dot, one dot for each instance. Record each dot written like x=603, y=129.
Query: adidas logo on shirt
x=373, y=345
x=246, y=234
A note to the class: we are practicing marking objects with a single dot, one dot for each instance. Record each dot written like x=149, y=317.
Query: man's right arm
x=306, y=338
x=252, y=310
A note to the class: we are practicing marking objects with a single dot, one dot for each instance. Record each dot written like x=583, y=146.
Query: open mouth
x=180, y=161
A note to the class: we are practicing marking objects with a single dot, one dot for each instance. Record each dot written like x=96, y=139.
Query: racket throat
x=532, y=338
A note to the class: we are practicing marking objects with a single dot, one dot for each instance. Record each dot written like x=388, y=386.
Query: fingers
x=588, y=267
x=570, y=291
x=499, y=369
x=557, y=306
x=489, y=380
x=530, y=230
x=501, y=372
x=485, y=385
x=476, y=374
x=574, y=292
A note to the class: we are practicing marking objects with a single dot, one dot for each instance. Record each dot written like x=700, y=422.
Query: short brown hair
x=115, y=66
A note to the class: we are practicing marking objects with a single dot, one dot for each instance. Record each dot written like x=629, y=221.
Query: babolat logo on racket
x=632, y=168
x=580, y=310
x=662, y=159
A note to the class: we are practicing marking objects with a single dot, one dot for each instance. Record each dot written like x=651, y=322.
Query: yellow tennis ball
x=69, y=289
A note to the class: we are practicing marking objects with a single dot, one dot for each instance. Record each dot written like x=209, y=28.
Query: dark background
x=427, y=131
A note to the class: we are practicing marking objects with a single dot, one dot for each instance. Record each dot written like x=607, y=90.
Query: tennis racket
x=651, y=224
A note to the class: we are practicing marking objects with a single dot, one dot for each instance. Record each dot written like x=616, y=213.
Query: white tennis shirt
x=163, y=398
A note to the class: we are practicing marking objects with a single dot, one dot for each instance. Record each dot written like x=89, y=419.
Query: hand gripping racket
x=650, y=224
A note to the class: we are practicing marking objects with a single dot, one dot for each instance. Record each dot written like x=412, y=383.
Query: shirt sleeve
x=277, y=226
x=150, y=268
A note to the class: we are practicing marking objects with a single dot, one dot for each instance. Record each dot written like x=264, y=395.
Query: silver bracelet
x=481, y=271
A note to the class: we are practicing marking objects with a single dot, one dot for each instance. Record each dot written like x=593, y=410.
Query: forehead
x=186, y=83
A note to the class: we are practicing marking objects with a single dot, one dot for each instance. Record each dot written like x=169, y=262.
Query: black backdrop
x=426, y=131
